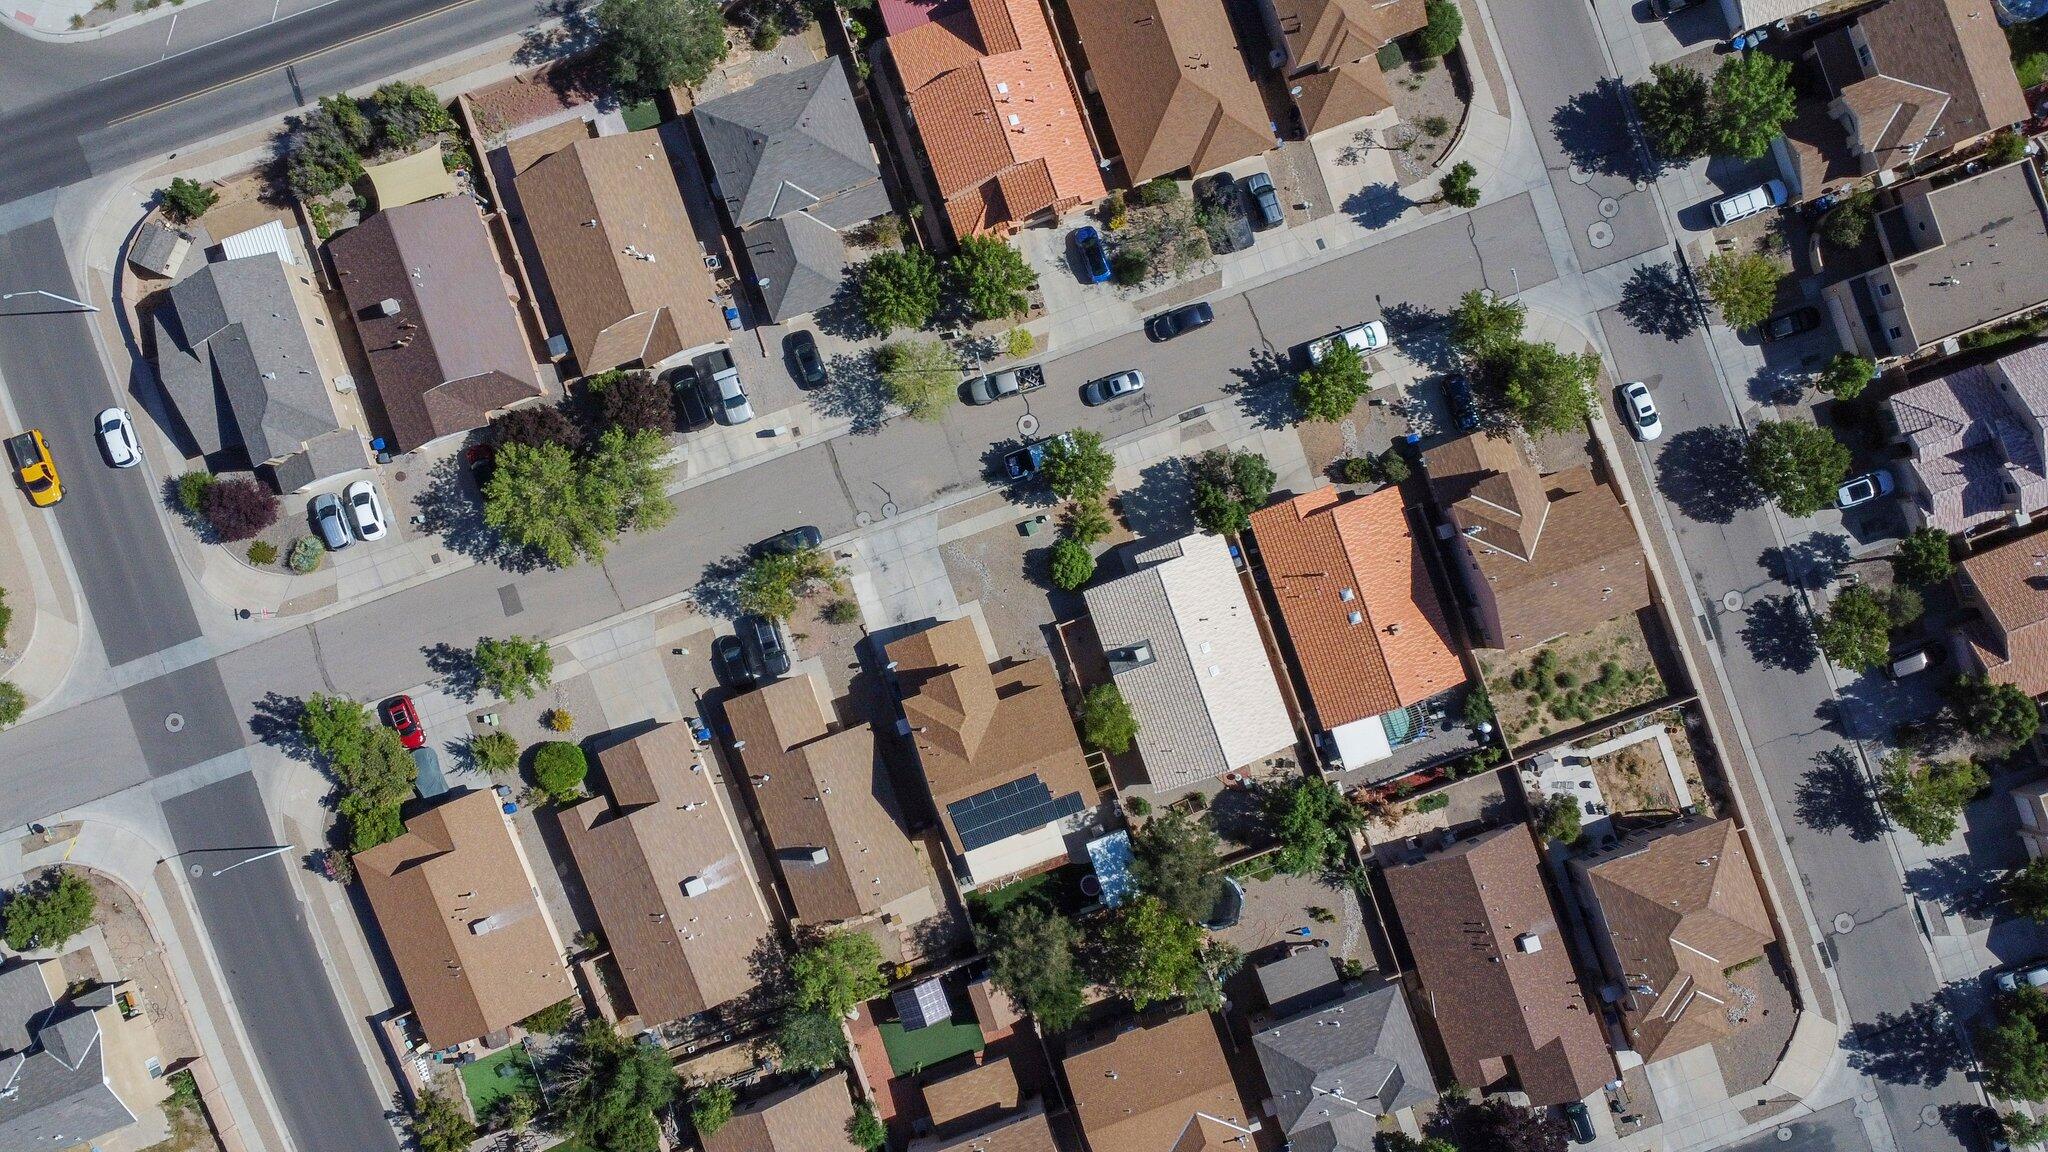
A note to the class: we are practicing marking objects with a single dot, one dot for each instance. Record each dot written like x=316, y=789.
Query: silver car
x=330, y=523
x=1112, y=387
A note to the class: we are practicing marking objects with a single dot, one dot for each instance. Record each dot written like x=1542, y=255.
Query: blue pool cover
x=1111, y=856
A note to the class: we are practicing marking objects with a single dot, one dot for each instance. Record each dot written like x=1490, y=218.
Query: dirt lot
x=1634, y=779
x=1573, y=680
x=1278, y=905
x=997, y=568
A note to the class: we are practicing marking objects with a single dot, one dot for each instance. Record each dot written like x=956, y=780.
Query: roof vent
x=491, y=923
x=1472, y=530
x=695, y=886
x=1528, y=942
x=1347, y=595
x=1357, y=617
x=389, y=307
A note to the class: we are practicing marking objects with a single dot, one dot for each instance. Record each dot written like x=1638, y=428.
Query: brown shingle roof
x=453, y=352
x=1128, y=1099
x=456, y=903
x=809, y=1118
x=971, y=1098
x=823, y=793
x=1315, y=550
x=594, y=209
x=662, y=830
x=1027, y=1131
x=2011, y=586
x=1332, y=46
x=1555, y=554
x=978, y=727
x=1679, y=908
x=1175, y=84
x=1504, y=1012
x=1942, y=62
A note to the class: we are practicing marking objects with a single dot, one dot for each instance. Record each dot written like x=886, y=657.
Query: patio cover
x=1362, y=742
x=266, y=237
x=420, y=176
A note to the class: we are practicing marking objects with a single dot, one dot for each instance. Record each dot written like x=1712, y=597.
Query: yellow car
x=35, y=468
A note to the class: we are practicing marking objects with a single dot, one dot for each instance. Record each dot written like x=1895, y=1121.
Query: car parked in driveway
x=117, y=438
x=1458, y=396
x=399, y=714
x=1769, y=194
x=1641, y=410
x=766, y=651
x=2033, y=975
x=1788, y=324
x=723, y=392
x=687, y=391
x=729, y=662
x=1185, y=318
x=330, y=522
x=1112, y=387
x=1265, y=201
x=805, y=363
x=365, y=510
x=1863, y=489
x=1231, y=229
x=1091, y=257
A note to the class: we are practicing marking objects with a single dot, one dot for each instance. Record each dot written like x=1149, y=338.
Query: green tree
x=1440, y=35
x=1483, y=328
x=323, y=148
x=12, y=703
x=1031, y=954
x=2014, y=1050
x=835, y=972
x=710, y=1108
x=494, y=752
x=1457, y=188
x=2002, y=149
x=1543, y=389
x=437, y=1124
x=1923, y=557
x=46, y=912
x=2027, y=890
x=921, y=375
x=991, y=277
x=1751, y=100
x=2021, y=1129
x=1150, y=955
x=187, y=200
x=564, y=509
x=772, y=584
x=650, y=46
x=897, y=289
x=1175, y=858
x=1228, y=487
x=553, y=1020
x=1846, y=376
x=405, y=112
x=1086, y=521
x=865, y=1128
x=1744, y=286
x=336, y=728
x=1992, y=711
x=1855, y=632
x=1071, y=564
x=1672, y=105
x=559, y=768
x=1799, y=465
x=372, y=787
x=1558, y=819
x=1312, y=820
x=1076, y=466
x=619, y=1087
x=1329, y=389
x=515, y=667
x=1848, y=221
x=1106, y=720
x=1926, y=799
x=810, y=1041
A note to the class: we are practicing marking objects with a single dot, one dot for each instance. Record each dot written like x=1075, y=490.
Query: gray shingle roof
x=233, y=354
x=798, y=264
x=1335, y=1068
x=1300, y=981
x=793, y=142
x=159, y=248
x=337, y=452
x=53, y=1091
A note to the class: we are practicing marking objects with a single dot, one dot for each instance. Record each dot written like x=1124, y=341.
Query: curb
x=99, y=31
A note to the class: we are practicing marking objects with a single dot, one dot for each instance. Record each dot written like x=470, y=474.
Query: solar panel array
x=922, y=1005
x=1007, y=809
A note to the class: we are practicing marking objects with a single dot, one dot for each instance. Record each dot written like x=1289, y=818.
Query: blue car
x=1458, y=391
x=1092, y=260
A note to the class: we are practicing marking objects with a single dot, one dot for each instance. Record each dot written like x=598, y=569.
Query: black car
x=1458, y=394
x=1185, y=318
x=794, y=540
x=729, y=662
x=806, y=364
x=1788, y=324
x=767, y=655
x=688, y=395
x=1581, y=1122
x=1265, y=201
x=1230, y=228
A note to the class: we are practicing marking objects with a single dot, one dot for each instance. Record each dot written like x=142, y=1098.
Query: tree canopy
x=1672, y=105
x=1797, y=464
x=836, y=971
x=1176, y=859
x=1923, y=557
x=1743, y=285
x=1070, y=564
x=437, y=1124
x=650, y=46
x=1500, y=1126
x=1545, y=390
x=1151, y=955
x=46, y=912
x=898, y=289
x=1993, y=711
x=1440, y=35
x=515, y=667
x=1481, y=328
x=2014, y=1050
x=2027, y=890
x=1558, y=818
x=922, y=376
x=1751, y=101
x=1312, y=819
x=991, y=277
x=1329, y=389
x=1229, y=486
x=406, y=112
x=1856, y=630
x=710, y=1109
x=632, y=402
x=810, y=1041
x=1457, y=188
x=1106, y=720
x=772, y=583
x=564, y=507
x=1031, y=955
x=865, y=1128
x=1926, y=799
x=1846, y=376
x=1076, y=466
x=617, y=1088
x=187, y=200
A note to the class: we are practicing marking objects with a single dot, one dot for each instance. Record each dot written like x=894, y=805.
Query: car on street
x=1023, y=463
x=729, y=662
x=117, y=438
x=329, y=521
x=1091, y=258
x=1112, y=387
x=1863, y=489
x=366, y=510
x=1002, y=385
x=1185, y=318
x=1580, y=1122
x=1769, y=194
x=687, y=391
x=723, y=392
x=1367, y=338
x=1642, y=411
x=2032, y=975
x=1265, y=201
x=1458, y=395
x=401, y=717
x=767, y=653
x=806, y=365
x=1666, y=9
x=1230, y=225
x=800, y=539
x=35, y=468
x=1789, y=324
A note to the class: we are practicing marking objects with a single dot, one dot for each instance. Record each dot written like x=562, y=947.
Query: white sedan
x=117, y=438
x=1642, y=411
x=365, y=510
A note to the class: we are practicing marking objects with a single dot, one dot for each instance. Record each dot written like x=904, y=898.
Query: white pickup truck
x=1367, y=338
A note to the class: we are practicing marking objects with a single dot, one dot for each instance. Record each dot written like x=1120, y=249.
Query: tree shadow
x=574, y=34
x=1702, y=472
x=1775, y=631
x=842, y=317
x=275, y=721
x=1917, y=1046
x=1835, y=796
x=717, y=592
x=1962, y=885
x=1655, y=300
x=451, y=507
x=1589, y=128
x=1161, y=507
x=1264, y=390
x=1777, y=384
x=1813, y=562
x=455, y=669
x=1423, y=335
x=853, y=391
x=1376, y=205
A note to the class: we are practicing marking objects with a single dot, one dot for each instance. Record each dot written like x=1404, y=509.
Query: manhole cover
x=1930, y=1115
x=1580, y=175
x=400, y=474
x=198, y=869
x=1784, y=1134
x=1609, y=207
x=1027, y=425
x=1732, y=601
x=1844, y=922
x=863, y=519
x=889, y=510
x=174, y=723
x=1599, y=234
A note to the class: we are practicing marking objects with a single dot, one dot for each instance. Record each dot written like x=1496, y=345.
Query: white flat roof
x=269, y=237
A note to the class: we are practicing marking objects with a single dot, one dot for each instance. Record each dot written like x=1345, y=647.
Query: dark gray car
x=330, y=523
x=1265, y=201
x=761, y=639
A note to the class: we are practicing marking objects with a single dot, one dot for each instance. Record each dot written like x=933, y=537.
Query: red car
x=404, y=719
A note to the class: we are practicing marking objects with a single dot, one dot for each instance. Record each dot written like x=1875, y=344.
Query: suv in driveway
x=1230, y=228
x=761, y=640
x=723, y=392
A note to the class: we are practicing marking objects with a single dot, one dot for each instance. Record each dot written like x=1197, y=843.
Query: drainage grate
x=509, y=597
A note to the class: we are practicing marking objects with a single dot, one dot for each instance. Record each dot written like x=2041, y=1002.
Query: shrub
x=12, y=704
x=1087, y=521
x=515, y=667
x=1558, y=819
x=2004, y=148
x=187, y=200
x=636, y=402
x=239, y=508
x=865, y=1129
x=1019, y=343
x=558, y=770
x=305, y=554
x=1072, y=566
x=841, y=612
x=552, y=1020
x=710, y=1108
x=1158, y=190
x=192, y=488
x=262, y=552
x=6, y=617
x=495, y=752
x=1848, y=222
x=1440, y=35
x=536, y=426
x=1360, y=470
x=1457, y=188
x=560, y=720
x=405, y=112
x=47, y=912
x=1106, y=720
x=1129, y=267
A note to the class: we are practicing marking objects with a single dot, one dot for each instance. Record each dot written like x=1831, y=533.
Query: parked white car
x=1863, y=489
x=1642, y=411
x=1366, y=338
x=1769, y=194
x=365, y=510
x=117, y=437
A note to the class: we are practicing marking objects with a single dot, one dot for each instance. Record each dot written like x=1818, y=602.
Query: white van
x=1769, y=194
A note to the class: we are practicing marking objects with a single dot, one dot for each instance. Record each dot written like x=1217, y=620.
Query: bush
x=6, y=617
x=1072, y=566
x=865, y=1129
x=1558, y=819
x=1360, y=470
x=187, y=200
x=262, y=552
x=192, y=488
x=1019, y=343
x=1457, y=187
x=495, y=752
x=515, y=667
x=1129, y=267
x=841, y=612
x=239, y=508
x=1846, y=376
x=558, y=770
x=560, y=720
x=536, y=426
x=991, y=277
x=12, y=704
x=636, y=402
x=405, y=112
x=1228, y=487
x=305, y=554
x=1441, y=34
x=2005, y=147
x=1434, y=802
x=552, y=1020
x=1086, y=521
x=1106, y=720
x=47, y=912
x=1848, y=222
x=710, y=1109
x=897, y=289
x=1158, y=190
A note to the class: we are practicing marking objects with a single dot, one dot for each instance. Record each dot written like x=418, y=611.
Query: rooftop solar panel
x=1007, y=809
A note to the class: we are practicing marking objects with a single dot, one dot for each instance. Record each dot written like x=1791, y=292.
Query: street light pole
x=79, y=304
x=264, y=855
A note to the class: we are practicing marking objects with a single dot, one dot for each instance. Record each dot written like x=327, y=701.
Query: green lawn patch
x=497, y=1076
x=1058, y=890
x=913, y=1051
x=641, y=115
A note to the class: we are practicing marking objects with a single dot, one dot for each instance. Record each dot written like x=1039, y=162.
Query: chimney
x=389, y=307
